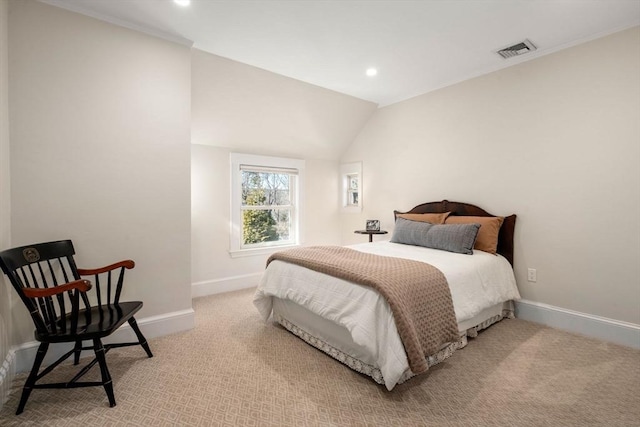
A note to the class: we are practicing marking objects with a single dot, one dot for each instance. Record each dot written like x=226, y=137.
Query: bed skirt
x=373, y=371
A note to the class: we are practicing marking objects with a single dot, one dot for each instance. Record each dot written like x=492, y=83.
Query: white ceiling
x=417, y=46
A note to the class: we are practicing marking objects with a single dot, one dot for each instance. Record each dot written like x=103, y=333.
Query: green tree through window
x=266, y=206
x=258, y=225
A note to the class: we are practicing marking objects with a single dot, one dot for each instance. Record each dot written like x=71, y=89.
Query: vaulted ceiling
x=415, y=46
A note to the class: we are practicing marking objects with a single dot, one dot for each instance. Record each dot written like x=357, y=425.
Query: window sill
x=240, y=253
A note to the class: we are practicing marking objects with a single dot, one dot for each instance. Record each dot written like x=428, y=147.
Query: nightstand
x=370, y=233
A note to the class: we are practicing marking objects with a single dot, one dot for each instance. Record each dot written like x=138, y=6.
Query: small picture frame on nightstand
x=373, y=225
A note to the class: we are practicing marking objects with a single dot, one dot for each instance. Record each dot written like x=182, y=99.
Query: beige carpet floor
x=235, y=370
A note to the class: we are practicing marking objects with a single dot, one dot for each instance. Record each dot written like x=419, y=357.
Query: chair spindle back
x=40, y=267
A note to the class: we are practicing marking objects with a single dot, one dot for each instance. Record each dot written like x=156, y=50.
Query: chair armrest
x=128, y=264
x=81, y=285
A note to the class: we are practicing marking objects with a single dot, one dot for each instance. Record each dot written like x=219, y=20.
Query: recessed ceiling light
x=182, y=2
x=372, y=72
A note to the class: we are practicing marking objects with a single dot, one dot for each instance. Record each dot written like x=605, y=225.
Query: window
x=265, y=203
x=351, y=187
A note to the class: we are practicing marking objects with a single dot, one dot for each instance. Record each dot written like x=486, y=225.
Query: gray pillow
x=458, y=238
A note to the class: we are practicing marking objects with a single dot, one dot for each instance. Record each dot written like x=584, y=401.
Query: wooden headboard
x=505, y=237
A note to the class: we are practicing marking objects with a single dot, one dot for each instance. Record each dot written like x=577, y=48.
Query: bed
x=355, y=325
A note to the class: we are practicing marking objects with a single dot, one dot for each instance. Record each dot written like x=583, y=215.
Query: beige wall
x=210, y=213
x=100, y=149
x=5, y=199
x=555, y=140
x=250, y=110
x=239, y=108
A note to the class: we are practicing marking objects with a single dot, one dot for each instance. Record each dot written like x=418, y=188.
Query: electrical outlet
x=532, y=275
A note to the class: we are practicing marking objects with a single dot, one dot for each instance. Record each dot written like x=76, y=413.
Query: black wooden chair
x=50, y=285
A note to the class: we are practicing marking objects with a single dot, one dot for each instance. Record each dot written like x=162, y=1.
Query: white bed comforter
x=476, y=281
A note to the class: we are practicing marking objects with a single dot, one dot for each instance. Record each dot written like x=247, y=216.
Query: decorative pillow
x=433, y=218
x=487, y=240
x=453, y=238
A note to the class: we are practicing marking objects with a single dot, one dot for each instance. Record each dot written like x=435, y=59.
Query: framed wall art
x=373, y=225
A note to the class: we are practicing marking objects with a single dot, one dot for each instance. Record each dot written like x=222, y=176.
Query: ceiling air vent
x=517, y=49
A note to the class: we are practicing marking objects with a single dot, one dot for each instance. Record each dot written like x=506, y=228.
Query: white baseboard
x=151, y=327
x=227, y=284
x=615, y=331
x=7, y=373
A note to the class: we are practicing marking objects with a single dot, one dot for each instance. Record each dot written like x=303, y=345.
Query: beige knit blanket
x=417, y=293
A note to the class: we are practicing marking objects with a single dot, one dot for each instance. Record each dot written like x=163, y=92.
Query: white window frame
x=236, y=246
x=346, y=171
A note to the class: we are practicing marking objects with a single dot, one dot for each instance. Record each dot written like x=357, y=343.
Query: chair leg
x=104, y=371
x=141, y=339
x=76, y=352
x=31, y=380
